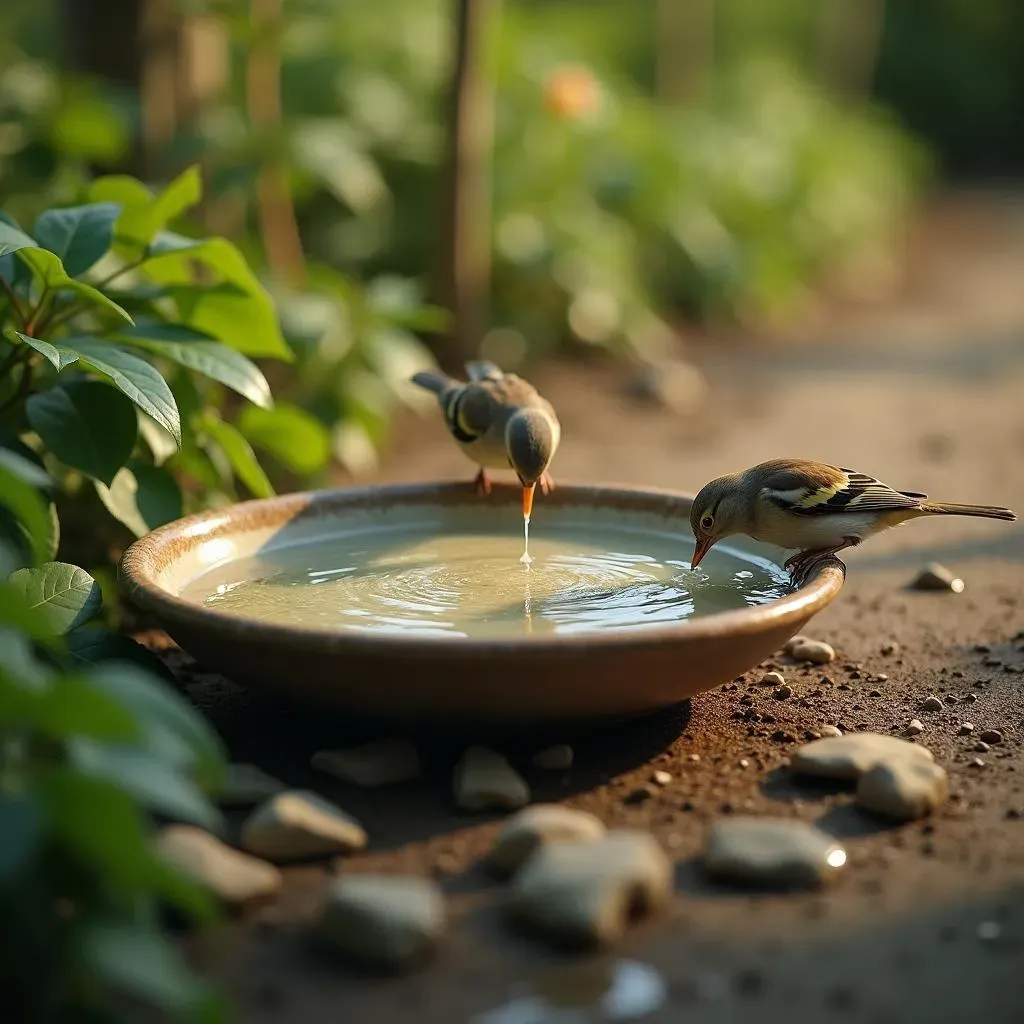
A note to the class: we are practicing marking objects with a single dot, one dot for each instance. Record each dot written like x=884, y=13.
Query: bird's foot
x=482, y=484
x=805, y=564
x=546, y=484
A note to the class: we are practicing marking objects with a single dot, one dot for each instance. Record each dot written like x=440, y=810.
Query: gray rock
x=903, y=789
x=382, y=921
x=484, y=781
x=772, y=852
x=234, y=877
x=541, y=825
x=966, y=728
x=380, y=763
x=991, y=736
x=299, y=825
x=814, y=651
x=849, y=756
x=585, y=894
x=245, y=785
x=554, y=759
x=932, y=704
x=936, y=577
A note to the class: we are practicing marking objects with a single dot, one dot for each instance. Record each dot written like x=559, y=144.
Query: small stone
x=890, y=648
x=245, y=785
x=380, y=763
x=991, y=736
x=693, y=758
x=874, y=693
x=783, y=693
x=232, y=876
x=966, y=729
x=554, y=759
x=936, y=577
x=585, y=894
x=849, y=756
x=538, y=826
x=661, y=778
x=640, y=795
x=382, y=921
x=298, y=825
x=982, y=648
x=976, y=763
x=903, y=789
x=792, y=642
x=992, y=662
x=772, y=679
x=932, y=704
x=981, y=748
x=951, y=698
x=970, y=698
x=914, y=727
x=830, y=730
x=816, y=652
x=771, y=852
x=484, y=781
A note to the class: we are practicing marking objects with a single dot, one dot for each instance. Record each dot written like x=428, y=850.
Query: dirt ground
x=927, y=922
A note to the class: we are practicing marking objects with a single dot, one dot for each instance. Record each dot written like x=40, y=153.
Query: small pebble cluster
x=569, y=879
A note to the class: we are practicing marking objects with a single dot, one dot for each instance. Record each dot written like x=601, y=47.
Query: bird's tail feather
x=937, y=508
x=436, y=382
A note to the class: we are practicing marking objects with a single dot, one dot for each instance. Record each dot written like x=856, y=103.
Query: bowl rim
x=138, y=568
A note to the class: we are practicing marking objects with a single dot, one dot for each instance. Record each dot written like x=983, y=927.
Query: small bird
x=815, y=508
x=499, y=420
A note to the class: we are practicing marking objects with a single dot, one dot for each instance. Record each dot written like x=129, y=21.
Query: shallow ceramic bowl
x=532, y=678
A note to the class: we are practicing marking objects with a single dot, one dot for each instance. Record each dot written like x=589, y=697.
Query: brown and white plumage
x=812, y=507
x=499, y=421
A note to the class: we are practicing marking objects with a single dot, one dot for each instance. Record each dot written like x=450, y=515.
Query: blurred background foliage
x=654, y=163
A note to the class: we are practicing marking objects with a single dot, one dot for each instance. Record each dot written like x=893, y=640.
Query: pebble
x=814, y=651
x=772, y=679
x=380, y=763
x=245, y=785
x=903, y=789
x=640, y=795
x=914, y=727
x=849, y=756
x=554, y=759
x=932, y=704
x=661, y=778
x=890, y=648
x=484, y=780
x=298, y=824
x=783, y=693
x=830, y=730
x=585, y=894
x=982, y=748
x=793, y=641
x=233, y=876
x=539, y=826
x=772, y=852
x=937, y=577
x=976, y=763
x=966, y=728
x=991, y=736
x=382, y=921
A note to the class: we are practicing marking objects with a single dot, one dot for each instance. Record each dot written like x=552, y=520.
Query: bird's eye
x=707, y=522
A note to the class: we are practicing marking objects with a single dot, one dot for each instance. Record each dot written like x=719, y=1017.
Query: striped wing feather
x=838, y=491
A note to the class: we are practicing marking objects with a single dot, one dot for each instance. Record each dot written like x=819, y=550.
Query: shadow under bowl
x=399, y=677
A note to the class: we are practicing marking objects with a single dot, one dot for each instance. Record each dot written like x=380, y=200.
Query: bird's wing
x=469, y=411
x=820, y=490
x=482, y=369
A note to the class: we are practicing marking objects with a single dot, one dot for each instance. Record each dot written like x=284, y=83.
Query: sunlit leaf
x=79, y=235
x=96, y=298
x=240, y=455
x=296, y=439
x=12, y=238
x=159, y=442
x=59, y=358
x=49, y=271
x=66, y=595
x=88, y=425
x=180, y=195
x=142, y=497
x=135, y=225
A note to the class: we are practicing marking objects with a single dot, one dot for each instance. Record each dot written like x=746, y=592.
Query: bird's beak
x=700, y=549
x=528, y=490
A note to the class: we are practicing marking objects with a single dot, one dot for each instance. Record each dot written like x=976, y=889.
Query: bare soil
x=927, y=922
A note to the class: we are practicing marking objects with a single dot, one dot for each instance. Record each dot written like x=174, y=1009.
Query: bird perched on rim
x=499, y=420
x=815, y=508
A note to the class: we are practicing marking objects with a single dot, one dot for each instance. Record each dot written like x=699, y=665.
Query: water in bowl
x=472, y=584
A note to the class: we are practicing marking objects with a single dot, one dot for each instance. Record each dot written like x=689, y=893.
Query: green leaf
x=49, y=271
x=142, y=497
x=296, y=439
x=134, y=377
x=199, y=352
x=17, y=613
x=13, y=239
x=246, y=322
x=94, y=645
x=141, y=963
x=175, y=731
x=97, y=298
x=240, y=455
x=87, y=424
x=79, y=235
x=25, y=469
x=183, y=892
x=171, y=242
x=60, y=358
x=180, y=195
x=66, y=595
x=159, y=442
x=21, y=829
x=73, y=707
x=28, y=508
x=155, y=784
x=18, y=660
